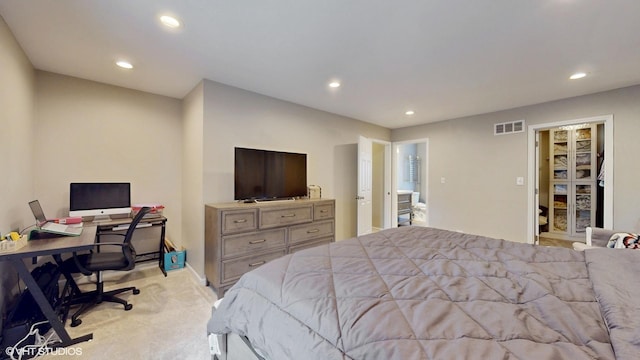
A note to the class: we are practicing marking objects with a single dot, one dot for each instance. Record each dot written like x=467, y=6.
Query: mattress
x=426, y=293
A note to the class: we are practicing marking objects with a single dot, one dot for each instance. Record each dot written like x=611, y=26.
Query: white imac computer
x=99, y=200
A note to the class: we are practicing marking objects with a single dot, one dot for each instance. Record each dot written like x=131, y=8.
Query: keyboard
x=126, y=226
x=62, y=228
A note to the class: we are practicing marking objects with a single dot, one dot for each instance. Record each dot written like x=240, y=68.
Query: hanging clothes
x=601, y=175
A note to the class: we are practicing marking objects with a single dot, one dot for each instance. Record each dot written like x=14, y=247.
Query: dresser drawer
x=240, y=244
x=404, y=198
x=239, y=220
x=233, y=269
x=404, y=206
x=310, y=244
x=323, y=211
x=310, y=231
x=285, y=216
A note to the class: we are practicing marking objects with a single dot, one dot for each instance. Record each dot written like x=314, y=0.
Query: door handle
x=359, y=197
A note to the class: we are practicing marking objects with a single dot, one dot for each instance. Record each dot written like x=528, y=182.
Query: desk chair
x=98, y=261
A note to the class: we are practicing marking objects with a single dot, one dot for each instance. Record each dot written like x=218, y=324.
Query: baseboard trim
x=201, y=280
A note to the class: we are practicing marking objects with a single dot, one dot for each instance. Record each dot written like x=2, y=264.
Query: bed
x=426, y=293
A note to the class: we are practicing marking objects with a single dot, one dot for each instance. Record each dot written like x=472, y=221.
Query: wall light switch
x=519, y=180
x=442, y=180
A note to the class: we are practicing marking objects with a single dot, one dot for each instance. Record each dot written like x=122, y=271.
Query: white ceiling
x=442, y=58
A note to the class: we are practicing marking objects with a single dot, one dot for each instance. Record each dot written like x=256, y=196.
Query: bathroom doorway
x=410, y=180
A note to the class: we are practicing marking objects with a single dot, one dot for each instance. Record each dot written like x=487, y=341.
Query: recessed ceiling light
x=334, y=84
x=124, y=64
x=578, y=75
x=169, y=21
x=409, y=112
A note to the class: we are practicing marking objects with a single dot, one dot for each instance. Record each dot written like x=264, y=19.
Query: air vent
x=510, y=127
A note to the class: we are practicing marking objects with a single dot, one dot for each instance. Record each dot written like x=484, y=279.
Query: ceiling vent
x=510, y=127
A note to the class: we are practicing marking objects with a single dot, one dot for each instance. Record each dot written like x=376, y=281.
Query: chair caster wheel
x=76, y=322
x=128, y=307
x=136, y=291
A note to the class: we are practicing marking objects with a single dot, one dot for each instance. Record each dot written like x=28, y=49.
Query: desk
x=53, y=247
x=118, y=226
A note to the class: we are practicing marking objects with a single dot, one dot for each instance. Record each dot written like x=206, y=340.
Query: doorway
x=410, y=180
x=378, y=198
x=568, y=187
x=374, y=185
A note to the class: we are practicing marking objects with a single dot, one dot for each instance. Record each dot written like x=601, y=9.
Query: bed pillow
x=624, y=240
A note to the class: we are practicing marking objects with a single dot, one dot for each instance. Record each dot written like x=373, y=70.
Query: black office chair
x=99, y=261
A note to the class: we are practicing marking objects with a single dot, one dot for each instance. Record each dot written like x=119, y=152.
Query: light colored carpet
x=555, y=242
x=168, y=319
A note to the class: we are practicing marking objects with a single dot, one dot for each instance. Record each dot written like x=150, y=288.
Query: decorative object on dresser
x=240, y=237
x=314, y=192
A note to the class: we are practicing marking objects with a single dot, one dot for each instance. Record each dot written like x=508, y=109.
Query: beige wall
x=192, y=185
x=16, y=124
x=480, y=194
x=91, y=132
x=235, y=117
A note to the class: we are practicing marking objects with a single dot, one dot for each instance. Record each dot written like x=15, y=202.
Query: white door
x=536, y=218
x=365, y=184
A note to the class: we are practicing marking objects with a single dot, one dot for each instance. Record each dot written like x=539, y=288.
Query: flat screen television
x=269, y=175
x=99, y=200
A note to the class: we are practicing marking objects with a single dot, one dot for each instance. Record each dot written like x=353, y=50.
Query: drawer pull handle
x=257, y=241
x=240, y=221
x=288, y=215
x=324, y=211
x=312, y=231
x=257, y=263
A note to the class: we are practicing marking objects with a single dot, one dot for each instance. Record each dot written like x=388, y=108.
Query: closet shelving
x=573, y=179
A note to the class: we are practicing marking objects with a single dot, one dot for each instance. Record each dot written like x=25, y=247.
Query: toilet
x=419, y=210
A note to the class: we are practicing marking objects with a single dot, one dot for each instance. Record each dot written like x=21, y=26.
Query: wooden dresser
x=240, y=237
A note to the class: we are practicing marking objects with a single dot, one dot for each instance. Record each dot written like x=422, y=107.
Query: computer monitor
x=99, y=200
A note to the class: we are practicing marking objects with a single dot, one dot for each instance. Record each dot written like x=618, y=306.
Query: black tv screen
x=266, y=174
x=99, y=199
